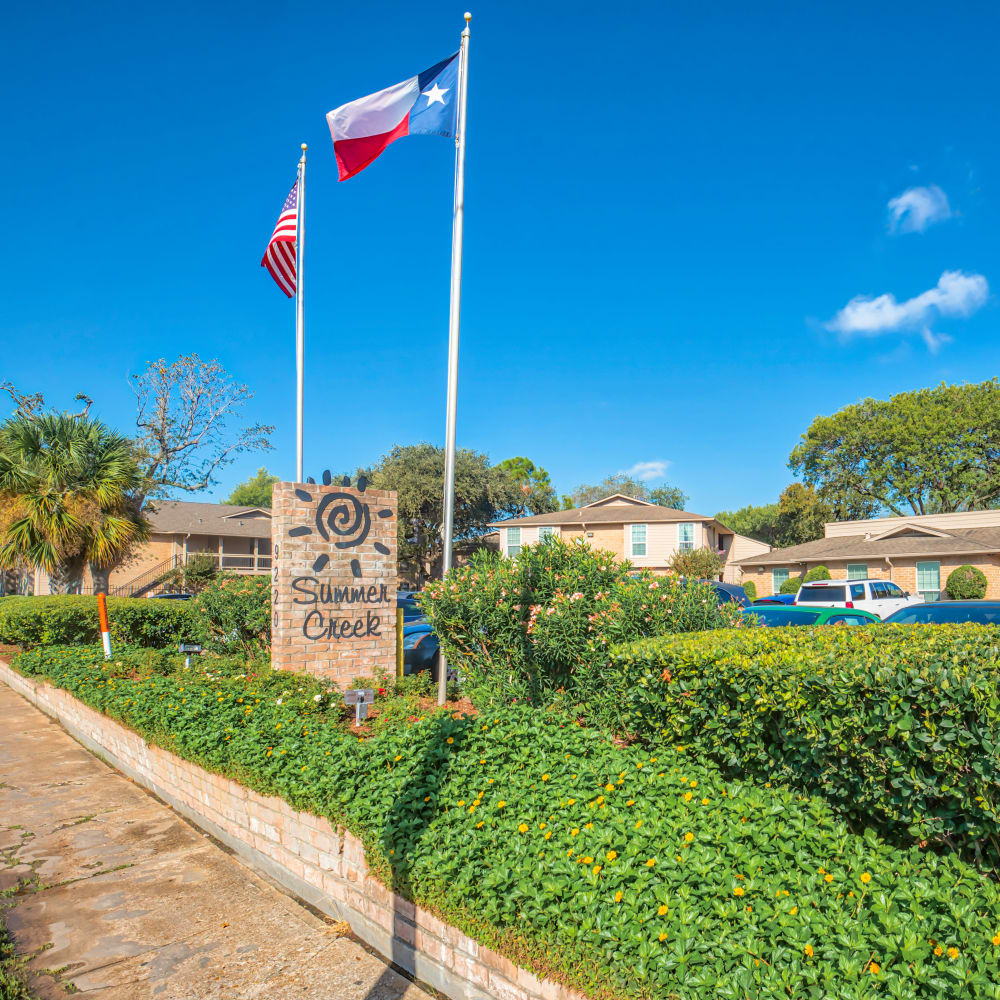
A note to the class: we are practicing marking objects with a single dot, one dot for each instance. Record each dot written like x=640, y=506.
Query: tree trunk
x=101, y=576
x=67, y=578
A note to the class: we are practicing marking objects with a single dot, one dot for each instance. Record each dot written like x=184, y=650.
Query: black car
x=947, y=613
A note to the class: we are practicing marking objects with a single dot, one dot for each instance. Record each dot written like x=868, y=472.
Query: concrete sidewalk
x=121, y=899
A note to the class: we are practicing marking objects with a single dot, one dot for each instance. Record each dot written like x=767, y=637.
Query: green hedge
x=624, y=871
x=72, y=620
x=898, y=724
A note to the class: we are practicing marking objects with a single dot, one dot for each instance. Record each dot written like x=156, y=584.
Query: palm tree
x=69, y=489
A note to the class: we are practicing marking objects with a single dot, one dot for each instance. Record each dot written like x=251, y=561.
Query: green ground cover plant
x=12, y=980
x=629, y=871
x=896, y=725
x=538, y=628
x=72, y=618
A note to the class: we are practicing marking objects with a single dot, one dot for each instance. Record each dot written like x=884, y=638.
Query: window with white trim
x=637, y=535
x=778, y=577
x=546, y=532
x=929, y=580
x=513, y=541
x=857, y=571
x=685, y=537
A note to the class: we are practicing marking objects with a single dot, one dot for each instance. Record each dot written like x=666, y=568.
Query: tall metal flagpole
x=300, y=238
x=448, y=524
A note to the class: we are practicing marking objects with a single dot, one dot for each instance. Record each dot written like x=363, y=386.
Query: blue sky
x=669, y=209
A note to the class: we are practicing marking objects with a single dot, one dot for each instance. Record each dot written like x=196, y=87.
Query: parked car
x=878, y=597
x=171, y=597
x=727, y=593
x=775, y=599
x=948, y=613
x=407, y=600
x=421, y=649
x=780, y=614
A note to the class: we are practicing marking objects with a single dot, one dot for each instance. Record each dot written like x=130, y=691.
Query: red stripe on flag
x=353, y=155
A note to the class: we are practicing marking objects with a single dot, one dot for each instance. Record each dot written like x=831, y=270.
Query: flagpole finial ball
x=304, y=147
x=468, y=17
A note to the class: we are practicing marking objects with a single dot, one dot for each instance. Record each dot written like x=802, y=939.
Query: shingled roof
x=617, y=509
x=914, y=542
x=184, y=517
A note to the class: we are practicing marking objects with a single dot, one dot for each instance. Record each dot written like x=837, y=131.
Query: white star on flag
x=436, y=94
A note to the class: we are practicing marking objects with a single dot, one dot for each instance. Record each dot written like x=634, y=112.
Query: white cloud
x=956, y=294
x=917, y=208
x=656, y=469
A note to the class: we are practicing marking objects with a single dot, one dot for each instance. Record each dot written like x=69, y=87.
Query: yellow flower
x=608, y=788
x=427, y=798
x=600, y=799
x=501, y=804
x=597, y=869
x=704, y=802
x=663, y=937
x=953, y=953
x=794, y=910
x=588, y=826
x=618, y=897
x=688, y=796
x=809, y=951
x=479, y=824
x=631, y=802
x=651, y=862
x=827, y=878
x=662, y=911
x=399, y=757
x=523, y=828
x=461, y=802
x=451, y=739
x=572, y=802
x=874, y=968
x=996, y=940
x=638, y=823
x=688, y=837
x=738, y=891
x=866, y=877
x=587, y=860
x=694, y=784
x=548, y=834
x=545, y=777
x=574, y=831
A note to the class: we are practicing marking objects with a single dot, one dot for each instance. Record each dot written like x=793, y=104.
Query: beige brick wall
x=333, y=609
x=322, y=864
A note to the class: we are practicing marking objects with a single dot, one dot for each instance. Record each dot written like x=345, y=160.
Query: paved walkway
x=122, y=899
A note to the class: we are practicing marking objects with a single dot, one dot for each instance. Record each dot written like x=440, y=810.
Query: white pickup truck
x=879, y=597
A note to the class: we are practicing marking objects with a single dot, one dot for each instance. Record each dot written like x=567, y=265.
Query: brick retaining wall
x=323, y=865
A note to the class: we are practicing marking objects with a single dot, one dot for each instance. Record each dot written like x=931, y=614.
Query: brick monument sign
x=333, y=579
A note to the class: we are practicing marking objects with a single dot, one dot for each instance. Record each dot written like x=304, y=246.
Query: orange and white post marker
x=102, y=612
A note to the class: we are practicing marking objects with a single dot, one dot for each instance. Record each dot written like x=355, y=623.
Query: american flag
x=279, y=258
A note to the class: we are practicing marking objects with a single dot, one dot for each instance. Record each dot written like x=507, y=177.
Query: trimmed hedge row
x=900, y=723
x=625, y=871
x=72, y=619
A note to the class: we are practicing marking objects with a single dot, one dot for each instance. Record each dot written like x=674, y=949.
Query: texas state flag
x=423, y=105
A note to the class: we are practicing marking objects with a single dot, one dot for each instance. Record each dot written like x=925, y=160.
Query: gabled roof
x=909, y=528
x=186, y=517
x=628, y=510
x=965, y=542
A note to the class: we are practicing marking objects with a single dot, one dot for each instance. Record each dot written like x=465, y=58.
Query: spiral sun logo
x=342, y=516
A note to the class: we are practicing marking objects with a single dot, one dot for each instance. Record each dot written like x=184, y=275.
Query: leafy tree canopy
x=665, y=496
x=798, y=516
x=483, y=493
x=255, y=492
x=533, y=484
x=924, y=452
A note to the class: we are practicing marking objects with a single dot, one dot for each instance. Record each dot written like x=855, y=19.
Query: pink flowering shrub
x=538, y=628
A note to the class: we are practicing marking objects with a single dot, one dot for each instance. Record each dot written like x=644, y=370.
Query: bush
x=72, y=619
x=625, y=872
x=193, y=576
x=233, y=614
x=538, y=628
x=698, y=564
x=750, y=588
x=791, y=585
x=897, y=725
x=816, y=573
x=966, y=583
